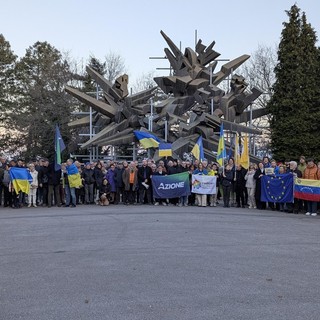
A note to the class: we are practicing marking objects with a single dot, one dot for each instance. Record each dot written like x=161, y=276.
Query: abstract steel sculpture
x=193, y=94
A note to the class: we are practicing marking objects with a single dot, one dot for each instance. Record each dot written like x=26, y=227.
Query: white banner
x=204, y=184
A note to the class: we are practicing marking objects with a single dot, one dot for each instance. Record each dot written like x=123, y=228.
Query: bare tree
x=143, y=82
x=114, y=66
x=259, y=72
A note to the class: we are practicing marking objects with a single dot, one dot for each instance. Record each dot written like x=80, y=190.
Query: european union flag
x=277, y=188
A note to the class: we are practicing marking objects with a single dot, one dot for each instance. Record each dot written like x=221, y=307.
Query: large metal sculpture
x=195, y=104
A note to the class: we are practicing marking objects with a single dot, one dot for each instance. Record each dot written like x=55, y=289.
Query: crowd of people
x=130, y=183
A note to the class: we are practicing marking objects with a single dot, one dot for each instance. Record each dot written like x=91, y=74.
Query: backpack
x=6, y=178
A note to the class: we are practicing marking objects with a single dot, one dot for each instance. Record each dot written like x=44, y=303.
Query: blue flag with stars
x=277, y=188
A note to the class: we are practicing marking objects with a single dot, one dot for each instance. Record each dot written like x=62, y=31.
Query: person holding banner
x=201, y=198
x=160, y=172
x=183, y=201
x=311, y=172
x=260, y=172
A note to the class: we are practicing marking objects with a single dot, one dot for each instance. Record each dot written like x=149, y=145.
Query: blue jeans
x=70, y=195
x=184, y=200
x=312, y=206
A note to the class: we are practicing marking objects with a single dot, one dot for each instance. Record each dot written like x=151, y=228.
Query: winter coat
x=228, y=179
x=98, y=176
x=201, y=172
x=311, y=173
x=43, y=175
x=110, y=177
x=105, y=188
x=34, y=183
x=143, y=174
x=53, y=175
x=126, y=179
x=250, y=181
x=118, y=177
x=88, y=176
x=240, y=178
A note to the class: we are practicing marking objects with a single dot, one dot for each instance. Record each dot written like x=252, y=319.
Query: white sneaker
x=164, y=203
x=308, y=213
x=214, y=204
x=314, y=214
x=35, y=205
x=156, y=203
x=29, y=205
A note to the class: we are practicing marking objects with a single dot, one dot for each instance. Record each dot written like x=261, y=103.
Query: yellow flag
x=236, y=150
x=245, y=160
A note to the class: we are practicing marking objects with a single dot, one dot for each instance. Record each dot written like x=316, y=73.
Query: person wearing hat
x=87, y=176
x=311, y=172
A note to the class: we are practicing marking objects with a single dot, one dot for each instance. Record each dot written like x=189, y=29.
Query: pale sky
x=132, y=28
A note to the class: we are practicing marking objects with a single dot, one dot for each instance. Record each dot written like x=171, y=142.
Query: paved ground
x=146, y=262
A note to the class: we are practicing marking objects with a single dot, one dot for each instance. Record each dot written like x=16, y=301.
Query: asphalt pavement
x=155, y=262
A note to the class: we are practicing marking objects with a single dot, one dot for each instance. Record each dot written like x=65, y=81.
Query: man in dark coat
x=144, y=173
x=118, y=180
x=240, y=185
x=87, y=176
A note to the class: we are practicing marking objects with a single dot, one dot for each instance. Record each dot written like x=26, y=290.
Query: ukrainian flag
x=197, y=150
x=147, y=139
x=74, y=176
x=221, y=154
x=20, y=179
x=165, y=150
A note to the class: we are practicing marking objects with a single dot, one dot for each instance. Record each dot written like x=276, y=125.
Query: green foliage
x=7, y=87
x=98, y=66
x=293, y=104
x=41, y=102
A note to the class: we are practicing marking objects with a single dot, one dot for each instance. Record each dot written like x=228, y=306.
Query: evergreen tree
x=7, y=90
x=310, y=55
x=98, y=66
x=294, y=89
x=42, y=102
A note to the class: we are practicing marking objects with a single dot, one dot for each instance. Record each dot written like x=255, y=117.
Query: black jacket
x=144, y=173
x=88, y=176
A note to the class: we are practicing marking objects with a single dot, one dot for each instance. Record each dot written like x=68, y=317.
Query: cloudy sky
x=131, y=28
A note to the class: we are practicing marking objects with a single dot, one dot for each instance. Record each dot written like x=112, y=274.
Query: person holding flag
x=197, y=150
x=74, y=180
x=221, y=153
x=59, y=146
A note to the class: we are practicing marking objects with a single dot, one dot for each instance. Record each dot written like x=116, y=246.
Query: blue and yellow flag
x=147, y=139
x=20, y=179
x=221, y=154
x=165, y=149
x=74, y=177
x=197, y=150
x=59, y=146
